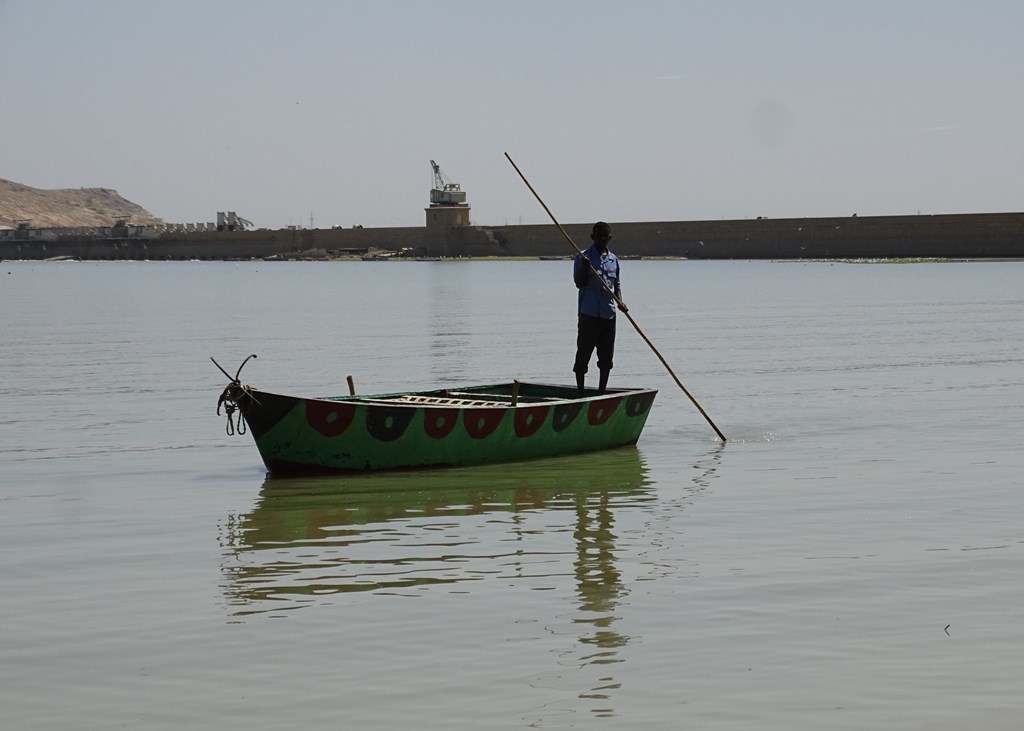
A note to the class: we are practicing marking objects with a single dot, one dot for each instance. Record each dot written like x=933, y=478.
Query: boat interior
x=504, y=394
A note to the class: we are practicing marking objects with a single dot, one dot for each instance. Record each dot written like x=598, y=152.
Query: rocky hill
x=66, y=207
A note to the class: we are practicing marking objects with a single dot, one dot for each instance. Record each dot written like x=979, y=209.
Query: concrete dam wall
x=955, y=236
x=951, y=236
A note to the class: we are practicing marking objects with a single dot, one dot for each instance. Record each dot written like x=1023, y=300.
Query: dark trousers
x=594, y=332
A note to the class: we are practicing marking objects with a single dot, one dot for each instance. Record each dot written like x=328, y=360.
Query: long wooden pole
x=609, y=290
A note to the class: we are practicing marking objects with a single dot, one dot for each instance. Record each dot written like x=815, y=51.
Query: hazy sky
x=626, y=111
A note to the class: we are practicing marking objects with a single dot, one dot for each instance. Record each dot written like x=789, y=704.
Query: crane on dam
x=445, y=193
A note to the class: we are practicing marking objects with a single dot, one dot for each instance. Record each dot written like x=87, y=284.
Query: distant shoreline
x=514, y=259
x=953, y=236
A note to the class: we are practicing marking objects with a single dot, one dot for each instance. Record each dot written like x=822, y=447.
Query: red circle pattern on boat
x=529, y=421
x=330, y=419
x=438, y=423
x=600, y=411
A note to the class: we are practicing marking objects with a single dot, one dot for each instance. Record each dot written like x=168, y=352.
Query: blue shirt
x=594, y=300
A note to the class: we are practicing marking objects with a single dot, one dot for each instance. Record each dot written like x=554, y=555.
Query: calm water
x=851, y=559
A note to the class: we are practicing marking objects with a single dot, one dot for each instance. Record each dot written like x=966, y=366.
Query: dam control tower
x=447, y=215
x=448, y=207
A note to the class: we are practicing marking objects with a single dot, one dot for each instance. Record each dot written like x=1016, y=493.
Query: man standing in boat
x=597, y=305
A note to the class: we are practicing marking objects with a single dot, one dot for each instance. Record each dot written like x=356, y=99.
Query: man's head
x=601, y=233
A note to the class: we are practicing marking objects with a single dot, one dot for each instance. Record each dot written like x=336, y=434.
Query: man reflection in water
x=599, y=589
x=597, y=305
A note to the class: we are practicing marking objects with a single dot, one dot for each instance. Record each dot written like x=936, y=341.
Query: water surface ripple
x=847, y=560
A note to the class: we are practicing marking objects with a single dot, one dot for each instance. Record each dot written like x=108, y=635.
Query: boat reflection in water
x=311, y=537
x=555, y=527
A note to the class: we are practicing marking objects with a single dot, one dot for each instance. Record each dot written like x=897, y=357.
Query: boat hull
x=445, y=428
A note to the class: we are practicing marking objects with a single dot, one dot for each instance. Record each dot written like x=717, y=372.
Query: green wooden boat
x=447, y=427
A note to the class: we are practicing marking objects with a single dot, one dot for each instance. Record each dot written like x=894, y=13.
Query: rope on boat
x=230, y=407
x=230, y=397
